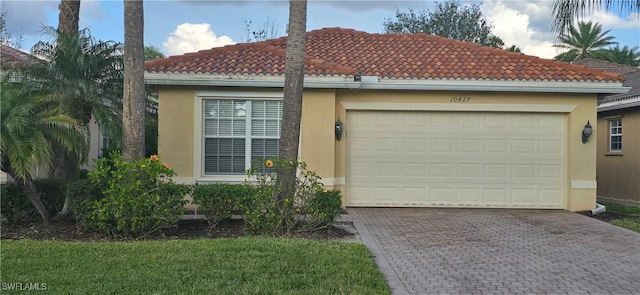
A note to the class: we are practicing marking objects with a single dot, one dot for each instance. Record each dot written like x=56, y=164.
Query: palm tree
x=565, y=11
x=133, y=112
x=292, y=101
x=587, y=40
x=30, y=124
x=85, y=75
x=625, y=55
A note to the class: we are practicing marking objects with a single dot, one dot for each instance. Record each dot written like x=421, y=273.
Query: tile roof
x=606, y=65
x=10, y=56
x=343, y=52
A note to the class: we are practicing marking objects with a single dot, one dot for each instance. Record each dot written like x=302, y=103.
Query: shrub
x=308, y=207
x=79, y=192
x=323, y=208
x=15, y=205
x=139, y=197
x=218, y=200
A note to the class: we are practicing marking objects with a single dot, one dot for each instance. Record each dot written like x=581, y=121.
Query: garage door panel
x=455, y=159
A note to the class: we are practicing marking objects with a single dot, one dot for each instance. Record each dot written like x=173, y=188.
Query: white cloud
x=193, y=37
x=515, y=28
x=609, y=20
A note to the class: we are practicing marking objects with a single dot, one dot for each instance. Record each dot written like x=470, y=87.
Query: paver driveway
x=491, y=251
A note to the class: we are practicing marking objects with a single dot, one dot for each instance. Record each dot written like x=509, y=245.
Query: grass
x=619, y=208
x=219, y=266
x=628, y=223
x=632, y=223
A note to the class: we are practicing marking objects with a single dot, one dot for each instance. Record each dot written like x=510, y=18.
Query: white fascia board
x=246, y=81
x=502, y=86
x=346, y=82
x=623, y=104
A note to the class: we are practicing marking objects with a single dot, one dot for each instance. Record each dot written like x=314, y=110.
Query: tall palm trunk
x=292, y=104
x=133, y=108
x=69, y=16
x=64, y=164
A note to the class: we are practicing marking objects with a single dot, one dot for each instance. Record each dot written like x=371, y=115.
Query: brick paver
x=498, y=251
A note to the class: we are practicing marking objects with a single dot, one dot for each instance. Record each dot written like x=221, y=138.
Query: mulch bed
x=67, y=230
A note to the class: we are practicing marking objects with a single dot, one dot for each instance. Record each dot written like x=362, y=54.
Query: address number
x=460, y=99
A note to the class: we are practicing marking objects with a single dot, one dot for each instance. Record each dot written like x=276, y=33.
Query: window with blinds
x=235, y=132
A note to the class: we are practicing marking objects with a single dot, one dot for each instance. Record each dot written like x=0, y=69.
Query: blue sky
x=180, y=26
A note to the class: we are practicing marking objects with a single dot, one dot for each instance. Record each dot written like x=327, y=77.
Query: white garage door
x=456, y=159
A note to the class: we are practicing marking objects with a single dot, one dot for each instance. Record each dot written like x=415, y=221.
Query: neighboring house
x=10, y=58
x=428, y=121
x=618, y=168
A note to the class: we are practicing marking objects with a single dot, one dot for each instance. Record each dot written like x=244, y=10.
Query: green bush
x=15, y=205
x=218, y=200
x=324, y=208
x=307, y=207
x=139, y=197
x=81, y=191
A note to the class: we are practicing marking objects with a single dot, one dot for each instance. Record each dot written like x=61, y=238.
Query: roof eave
x=501, y=86
x=632, y=102
x=347, y=82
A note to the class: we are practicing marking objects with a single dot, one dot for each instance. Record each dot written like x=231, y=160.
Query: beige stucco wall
x=175, y=129
x=324, y=154
x=619, y=172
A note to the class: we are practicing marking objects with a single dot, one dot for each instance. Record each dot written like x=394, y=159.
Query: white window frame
x=615, y=132
x=198, y=136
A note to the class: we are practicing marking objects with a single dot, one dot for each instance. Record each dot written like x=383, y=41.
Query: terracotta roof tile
x=338, y=51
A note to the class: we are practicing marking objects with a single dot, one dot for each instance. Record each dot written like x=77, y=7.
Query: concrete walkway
x=492, y=251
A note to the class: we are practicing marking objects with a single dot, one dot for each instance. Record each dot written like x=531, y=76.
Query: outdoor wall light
x=586, y=132
x=338, y=129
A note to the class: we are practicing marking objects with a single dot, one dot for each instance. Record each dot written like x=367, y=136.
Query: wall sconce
x=586, y=132
x=338, y=129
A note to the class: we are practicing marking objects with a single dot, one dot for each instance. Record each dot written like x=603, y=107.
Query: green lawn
x=631, y=222
x=218, y=266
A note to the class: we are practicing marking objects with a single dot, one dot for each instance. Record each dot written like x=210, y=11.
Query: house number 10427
x=460, y=99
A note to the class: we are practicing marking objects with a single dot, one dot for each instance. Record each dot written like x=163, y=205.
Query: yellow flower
x=154, y=157
x=269, y=163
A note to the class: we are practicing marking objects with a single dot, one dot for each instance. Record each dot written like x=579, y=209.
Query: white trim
x=621, y=104
x=547, y=108
x=222, y=179
x=241, y=95
x=348, y=82
x=333, y=181
x=588, y=184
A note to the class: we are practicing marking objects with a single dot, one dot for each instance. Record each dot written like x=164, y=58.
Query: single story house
x=618, y=166
x=425, y=121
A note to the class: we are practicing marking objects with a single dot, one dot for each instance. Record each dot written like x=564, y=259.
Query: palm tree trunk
x=30, y=190
x=68, y=20
x=69, y=16
x=292, y=102
x=133, y=108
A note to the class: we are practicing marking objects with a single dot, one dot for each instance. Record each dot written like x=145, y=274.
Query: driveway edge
x=396, y=285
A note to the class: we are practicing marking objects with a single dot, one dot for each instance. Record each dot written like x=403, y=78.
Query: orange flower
x=165, y=165
x=154, y=157
x=269, y=163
